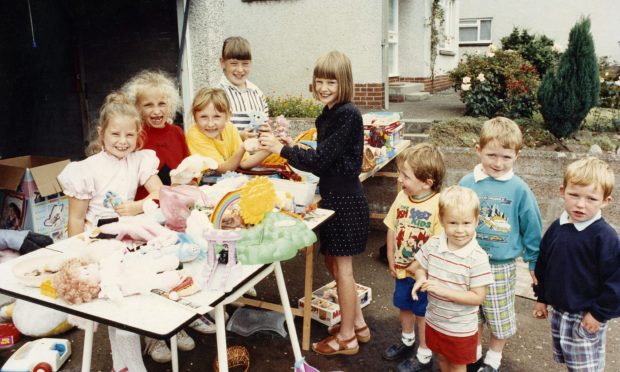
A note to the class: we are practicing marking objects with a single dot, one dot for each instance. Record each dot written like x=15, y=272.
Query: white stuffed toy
x=191, y=168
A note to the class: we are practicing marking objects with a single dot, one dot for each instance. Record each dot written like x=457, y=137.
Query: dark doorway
x=50, y=94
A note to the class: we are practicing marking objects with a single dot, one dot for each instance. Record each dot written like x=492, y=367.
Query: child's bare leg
x=407, y=321
x=421, y=322
x=443, y=363
x=496, y=344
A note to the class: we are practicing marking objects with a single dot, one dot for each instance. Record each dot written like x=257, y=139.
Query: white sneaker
x=185, y=342
x=158, y=350
x=203, y=325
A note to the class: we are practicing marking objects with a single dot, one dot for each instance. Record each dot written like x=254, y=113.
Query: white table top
x=148, y=314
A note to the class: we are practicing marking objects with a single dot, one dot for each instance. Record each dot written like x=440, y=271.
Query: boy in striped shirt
x=454, y=271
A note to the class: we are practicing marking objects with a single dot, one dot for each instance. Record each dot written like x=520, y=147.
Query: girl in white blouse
x=104, y=185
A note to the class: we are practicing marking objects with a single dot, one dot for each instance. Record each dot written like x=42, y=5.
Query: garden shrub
x=293, y=107
x=498, y=83
x=567, y=95
x=610, y=84
x=538, y=50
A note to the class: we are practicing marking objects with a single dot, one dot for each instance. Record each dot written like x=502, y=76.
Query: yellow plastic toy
x=258, y=197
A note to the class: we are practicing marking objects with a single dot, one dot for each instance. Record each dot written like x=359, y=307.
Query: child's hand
x=534, y=280
x=286, y=140
x=269, y=142
x=247, y=133
x=434, y=287
x=130, y=208
x=590, y=324
x=540, y=311
x=416, y=288
x=392, y=269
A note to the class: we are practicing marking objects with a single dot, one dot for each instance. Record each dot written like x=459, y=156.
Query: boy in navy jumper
x=578, y=269
x=510, y=226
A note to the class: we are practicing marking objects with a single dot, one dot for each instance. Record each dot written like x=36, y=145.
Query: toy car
x=42, y=355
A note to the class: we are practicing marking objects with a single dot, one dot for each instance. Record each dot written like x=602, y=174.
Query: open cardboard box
x=325, y=308
x=29, y=188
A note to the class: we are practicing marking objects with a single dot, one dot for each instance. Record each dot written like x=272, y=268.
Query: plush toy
x=35, y=320
x=191, y=168
x=115, y=276
x=257, y=119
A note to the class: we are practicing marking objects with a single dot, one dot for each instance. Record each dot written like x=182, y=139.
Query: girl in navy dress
x=337, y=160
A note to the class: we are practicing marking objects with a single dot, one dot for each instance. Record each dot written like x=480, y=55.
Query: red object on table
x=9, y=335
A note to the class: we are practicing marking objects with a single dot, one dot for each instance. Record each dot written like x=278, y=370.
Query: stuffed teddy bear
x=191, y=168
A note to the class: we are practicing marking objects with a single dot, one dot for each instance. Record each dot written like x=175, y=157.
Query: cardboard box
x=32, y=198
x=325, y=306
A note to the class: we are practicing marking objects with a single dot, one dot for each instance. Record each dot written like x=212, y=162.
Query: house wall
x=554, y=18
x=287, y=37
x=414, y=46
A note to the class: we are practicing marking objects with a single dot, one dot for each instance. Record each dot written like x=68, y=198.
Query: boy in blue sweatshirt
x=510, y=226
x=578, y=269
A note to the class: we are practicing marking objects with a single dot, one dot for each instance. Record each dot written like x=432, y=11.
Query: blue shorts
x=402, y=297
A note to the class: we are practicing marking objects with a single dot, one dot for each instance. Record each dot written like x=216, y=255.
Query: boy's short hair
x=216, y=96
x=503, y=131
x=236, y=47
x=335, y=65
x=426, y=161
x=460, y=199
x=590, y=170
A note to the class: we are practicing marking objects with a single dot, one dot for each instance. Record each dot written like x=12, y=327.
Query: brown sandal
x=324, y=348
x=333, y=330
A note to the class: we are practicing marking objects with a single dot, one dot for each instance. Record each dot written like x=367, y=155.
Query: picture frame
x=13, y=211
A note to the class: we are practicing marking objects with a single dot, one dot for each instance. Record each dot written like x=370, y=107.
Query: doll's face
x=89, y=273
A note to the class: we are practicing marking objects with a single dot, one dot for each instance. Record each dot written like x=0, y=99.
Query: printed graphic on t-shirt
x=494, y=225
x=412, y=231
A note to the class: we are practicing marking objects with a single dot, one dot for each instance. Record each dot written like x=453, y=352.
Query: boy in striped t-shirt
x=454, y=271
x=244, y=97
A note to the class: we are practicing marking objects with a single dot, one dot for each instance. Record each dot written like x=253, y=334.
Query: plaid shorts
x=498, y=308
x=573, y=345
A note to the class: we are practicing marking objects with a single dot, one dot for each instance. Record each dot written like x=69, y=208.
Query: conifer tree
x=567, y=94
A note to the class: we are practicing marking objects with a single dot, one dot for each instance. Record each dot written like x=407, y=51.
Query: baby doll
x=118, y=275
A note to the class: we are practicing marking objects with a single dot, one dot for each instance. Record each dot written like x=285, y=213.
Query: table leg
x=175, y=353
x=288, y=314
x=88, y=345
x=307, y=317
x=220, y=335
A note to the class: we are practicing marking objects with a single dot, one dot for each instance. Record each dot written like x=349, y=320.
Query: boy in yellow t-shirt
x=413, y=218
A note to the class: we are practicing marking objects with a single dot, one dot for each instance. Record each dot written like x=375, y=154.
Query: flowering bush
x=610, y=84
x=497, y=83
x=293, y=107
x=538, y=50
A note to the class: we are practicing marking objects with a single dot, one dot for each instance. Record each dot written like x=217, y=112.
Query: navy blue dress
x=337, y=160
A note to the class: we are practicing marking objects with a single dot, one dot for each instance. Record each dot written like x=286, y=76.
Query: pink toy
x=175, y=203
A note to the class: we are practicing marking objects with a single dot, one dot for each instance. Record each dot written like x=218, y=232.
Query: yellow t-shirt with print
x=413, y=221
x=218, y=150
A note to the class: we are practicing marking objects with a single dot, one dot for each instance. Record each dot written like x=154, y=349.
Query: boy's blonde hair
x=216, y=96
x=116, y=104
x=335, y=65
x=154, y=79
x=236, y=47
x=426, y=161
x=459, y=199
x=503, y=131
x=590, y=170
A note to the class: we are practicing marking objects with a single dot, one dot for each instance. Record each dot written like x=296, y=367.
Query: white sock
x=424, y=355
x=478, y=352
x=493, y=358
x=408, y=338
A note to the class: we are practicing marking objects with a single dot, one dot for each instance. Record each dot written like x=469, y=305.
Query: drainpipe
x=384, y=54
x=184, y=66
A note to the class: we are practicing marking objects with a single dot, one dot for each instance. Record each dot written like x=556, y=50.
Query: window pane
x=485, y=30
x=468, y=34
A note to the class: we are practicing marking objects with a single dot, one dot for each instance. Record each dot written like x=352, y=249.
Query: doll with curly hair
x=115, y=276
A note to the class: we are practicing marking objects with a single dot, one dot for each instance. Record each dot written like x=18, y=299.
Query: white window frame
x=475, y=22
x=447, y=39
